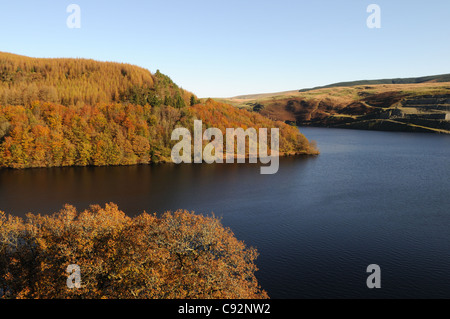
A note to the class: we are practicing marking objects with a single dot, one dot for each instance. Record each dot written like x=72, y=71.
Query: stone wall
x=438, y=102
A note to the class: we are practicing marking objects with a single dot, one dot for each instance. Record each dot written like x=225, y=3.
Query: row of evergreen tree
x=68, y=82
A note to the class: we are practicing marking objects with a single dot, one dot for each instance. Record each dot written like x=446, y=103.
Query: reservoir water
x=369, y=198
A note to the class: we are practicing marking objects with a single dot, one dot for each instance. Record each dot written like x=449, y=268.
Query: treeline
x=223, y=116
x=46, y=134
x=179, y=255
x=24, y=80
x=49, y=135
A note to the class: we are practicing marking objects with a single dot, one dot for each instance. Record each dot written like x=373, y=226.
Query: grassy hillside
x=381, y=106
x=417, y=80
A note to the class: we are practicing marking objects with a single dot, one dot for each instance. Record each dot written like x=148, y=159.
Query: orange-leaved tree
x=177, y=255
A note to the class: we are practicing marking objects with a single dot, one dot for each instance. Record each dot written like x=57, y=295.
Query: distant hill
x=420, y=106
x=423, y=79
x=81, y=81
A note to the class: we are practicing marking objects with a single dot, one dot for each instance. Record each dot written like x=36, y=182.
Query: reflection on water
x=155, y=188
x=370, y=197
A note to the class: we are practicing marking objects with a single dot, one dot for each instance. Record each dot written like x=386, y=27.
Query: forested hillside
x=48, y=135
x=75, y=112
x=80, y=81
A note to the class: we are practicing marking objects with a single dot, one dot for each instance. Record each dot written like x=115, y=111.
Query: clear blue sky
x=226, y=48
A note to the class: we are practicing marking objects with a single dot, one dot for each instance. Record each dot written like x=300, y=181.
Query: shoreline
x=164, y=161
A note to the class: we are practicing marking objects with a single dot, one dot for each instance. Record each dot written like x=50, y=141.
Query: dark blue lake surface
x=369, y=198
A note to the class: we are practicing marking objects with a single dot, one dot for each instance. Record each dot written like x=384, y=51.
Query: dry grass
x=342, y=95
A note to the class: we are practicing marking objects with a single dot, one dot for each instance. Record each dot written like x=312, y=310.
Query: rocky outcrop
x=438, y=102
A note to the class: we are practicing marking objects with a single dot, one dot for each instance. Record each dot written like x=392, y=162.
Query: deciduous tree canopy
x=51, y=135
x=177, y=255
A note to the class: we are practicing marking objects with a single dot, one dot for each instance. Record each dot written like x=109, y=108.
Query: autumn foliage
x=51, y=135
x=177, y=255
x=223, y=116
x=24, y=80
x=78, y=112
